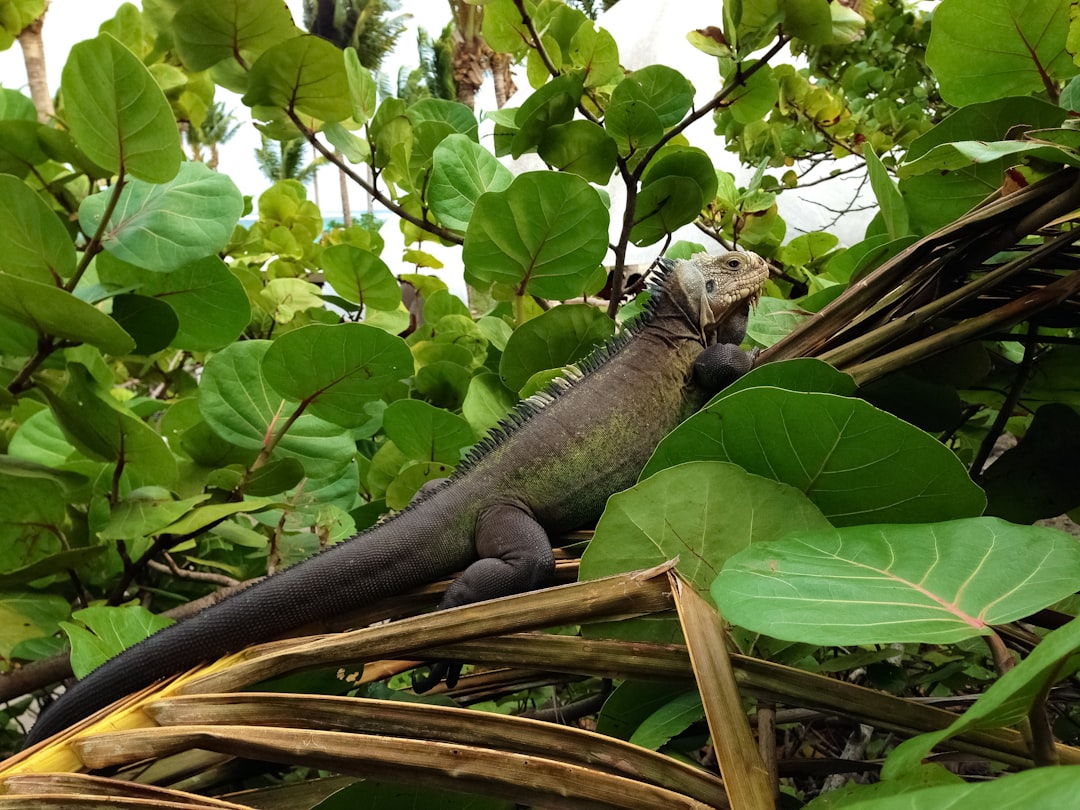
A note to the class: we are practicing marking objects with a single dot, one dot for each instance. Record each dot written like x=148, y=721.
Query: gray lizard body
x=548, y=469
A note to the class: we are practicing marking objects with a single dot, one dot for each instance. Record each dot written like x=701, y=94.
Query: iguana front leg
x=723, y=362
x=515, y=556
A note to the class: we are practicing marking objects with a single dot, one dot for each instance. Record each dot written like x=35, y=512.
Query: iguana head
x=710, y=287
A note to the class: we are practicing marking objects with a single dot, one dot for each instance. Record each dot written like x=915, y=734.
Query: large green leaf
x=1043, y=787
x=426, y=433
x=545, y=234
x=1019, y=46
x=52, y=311
x=581, y=147
x=209, y=301
x=242, y=408
x=660, y=88
x=462, y=170
x=858, y=464
x=29, y=615
x=117, y=113
x=33, y=242
x=102, y=429
x=163, y=227
x=560, y=336
x=152, y=322
x=105, y=632
x=206, y=32
x=1007, y=701
x=935, y=199
x=337, y=369
x=304, y=75
x=701, y=513
x=936, y=583
x=361, y=277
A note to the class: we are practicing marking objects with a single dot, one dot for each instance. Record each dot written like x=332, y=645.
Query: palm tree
x=33, y=49
x=284, y=160
x=218, y=127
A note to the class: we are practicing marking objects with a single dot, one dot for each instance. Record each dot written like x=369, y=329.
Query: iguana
x=547, y=469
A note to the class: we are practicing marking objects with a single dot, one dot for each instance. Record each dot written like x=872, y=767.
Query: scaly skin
x=550, y=470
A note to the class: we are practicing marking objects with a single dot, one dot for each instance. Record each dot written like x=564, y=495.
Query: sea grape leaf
x=660, y=88
x=101, y=428
x=560, y=336
x=152, y=322
x=145, y=512
x=798, y=374
x=858, y=464
x=303, y=75
x=581, y=147
x=462, y=170
x=104, y=632
x=426, y=433
x=336, y=369
x=163, y=227
x=206, y=32
x=1019, y=47
x=33, y=242
x=701, y=513
x=362, y=88
x=1008, y=699
x=25, y=616
x=545, y=234
x=239, y=404
x=936, y=583
x=1038, y=478
x=361, y=277
x=889, y=199
x=487, y=402
x=116, y=112
x=52, y=311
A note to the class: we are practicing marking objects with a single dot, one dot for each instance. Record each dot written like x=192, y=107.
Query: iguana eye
x=710, y=285
x=733, y=263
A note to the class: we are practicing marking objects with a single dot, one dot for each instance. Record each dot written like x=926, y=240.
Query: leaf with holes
x=935, y=583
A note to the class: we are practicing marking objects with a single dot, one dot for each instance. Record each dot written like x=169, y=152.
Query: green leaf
x=799, y=374
x=773, y=319
x=858, y=464
x=102, y=429
x=1038, y=478
x=755, y=97
x=545, y=234
x=303, y=75
x=238, y=403
x=33, y=242
x=949, y=157
x=411, y=478
x=668, y=721
x=660, y=88
x=362, y=88
x=151, y=322
x=209, y=301
x=426, y=433
x=462, y=170
x=808, y=20
x=934, y=199
x=105, y=632
x=146, y=512
x=551, y=105
x=206, y=32
x=21, y=147
x=487, y=402
x=117, y=113
x=336, y=369
x=52, y=311
x=633, y=124
x=936, y=583
x=361, y=277
x=163, y=227
x=560, y=336
x=203, y=516
x=581, y=147
x=664, y=206
x=1020, y=44
x=701, y=513
x=888, y=195
x=25, y=616
x=1006, y=702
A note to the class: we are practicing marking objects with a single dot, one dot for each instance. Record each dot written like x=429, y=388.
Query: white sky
x=70, y=21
